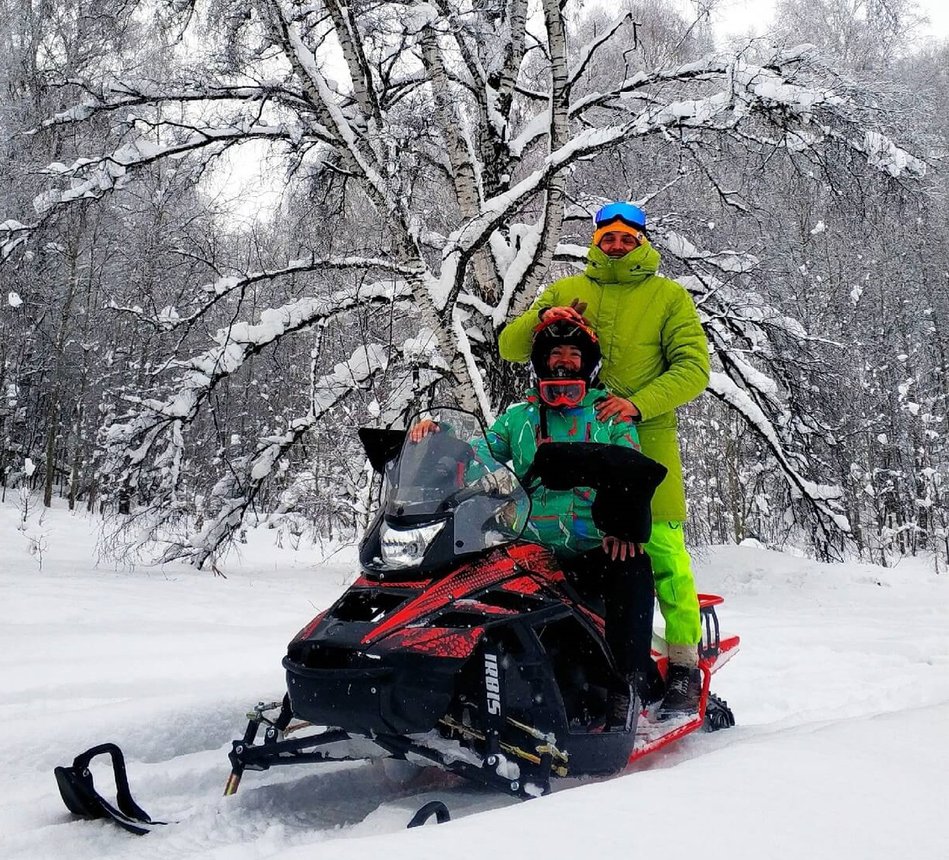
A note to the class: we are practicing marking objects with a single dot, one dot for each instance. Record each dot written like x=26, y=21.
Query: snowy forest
x=233, y=231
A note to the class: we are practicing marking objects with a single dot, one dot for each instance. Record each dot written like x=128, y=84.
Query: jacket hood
x=636, y=266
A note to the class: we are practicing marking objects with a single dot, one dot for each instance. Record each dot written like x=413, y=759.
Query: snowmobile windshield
x=446, y=484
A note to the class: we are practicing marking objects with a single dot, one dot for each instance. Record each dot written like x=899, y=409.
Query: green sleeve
x=624, y=433
x=516, y=338
x=686, y=352
x=499, y=439
x=496, y=444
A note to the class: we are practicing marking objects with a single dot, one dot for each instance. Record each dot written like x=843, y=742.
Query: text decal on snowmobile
x=492, y=684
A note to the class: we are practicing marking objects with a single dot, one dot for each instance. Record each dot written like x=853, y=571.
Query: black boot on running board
x=683, y=690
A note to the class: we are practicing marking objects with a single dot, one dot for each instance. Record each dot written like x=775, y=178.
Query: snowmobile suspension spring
x=533, y=758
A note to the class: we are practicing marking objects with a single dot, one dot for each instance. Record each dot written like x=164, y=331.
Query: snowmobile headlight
x=406, y=547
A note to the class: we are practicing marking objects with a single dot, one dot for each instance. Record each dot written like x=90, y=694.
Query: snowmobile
x=461, y=644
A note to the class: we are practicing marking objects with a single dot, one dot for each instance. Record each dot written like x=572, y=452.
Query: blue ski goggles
x=625, y=212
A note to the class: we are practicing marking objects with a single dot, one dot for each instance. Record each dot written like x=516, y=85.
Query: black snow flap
x=81, y=798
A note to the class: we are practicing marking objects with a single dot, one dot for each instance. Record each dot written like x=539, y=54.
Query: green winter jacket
x=654, y=349
x=561, y=520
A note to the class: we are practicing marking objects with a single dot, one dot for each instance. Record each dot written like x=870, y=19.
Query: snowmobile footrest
x=81, y=798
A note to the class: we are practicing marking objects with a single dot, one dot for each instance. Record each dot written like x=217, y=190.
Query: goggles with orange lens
x=562, y=392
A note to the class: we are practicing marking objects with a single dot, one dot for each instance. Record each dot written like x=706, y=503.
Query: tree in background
x=435, y=154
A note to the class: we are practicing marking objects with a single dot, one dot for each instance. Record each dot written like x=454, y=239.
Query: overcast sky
x=735, y=17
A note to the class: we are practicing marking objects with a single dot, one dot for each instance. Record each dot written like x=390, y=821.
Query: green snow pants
x=675, y=586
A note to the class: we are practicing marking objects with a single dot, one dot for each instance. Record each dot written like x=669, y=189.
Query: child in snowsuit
x=562, y=408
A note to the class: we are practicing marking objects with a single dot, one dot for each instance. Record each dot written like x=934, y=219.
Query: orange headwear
x=617, y=226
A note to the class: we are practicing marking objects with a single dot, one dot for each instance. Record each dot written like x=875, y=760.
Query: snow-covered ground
x=841, y=692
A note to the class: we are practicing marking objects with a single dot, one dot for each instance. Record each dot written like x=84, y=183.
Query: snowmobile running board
x=81, y=798
x=713, y=713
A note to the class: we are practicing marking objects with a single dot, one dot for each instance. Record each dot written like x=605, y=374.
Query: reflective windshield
x=450, y=472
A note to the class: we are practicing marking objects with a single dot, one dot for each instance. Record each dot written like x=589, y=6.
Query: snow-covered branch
x=382, y=292
x=588, y=51
x=237, y=493
x=822, y=497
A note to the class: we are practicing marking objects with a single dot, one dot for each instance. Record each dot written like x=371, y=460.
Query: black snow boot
x=621, y=704
x=683, y=691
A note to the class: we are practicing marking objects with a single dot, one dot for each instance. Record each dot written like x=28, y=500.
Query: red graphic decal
x=408, y=586
x=521, y=585
x=437, y=641
x=598, y=622
x=484, y=608
x=306, y=631
x=531, y=556
x=461, y=583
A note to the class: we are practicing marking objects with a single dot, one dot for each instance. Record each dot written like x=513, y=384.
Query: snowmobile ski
x=433, y=807
x=79, y=793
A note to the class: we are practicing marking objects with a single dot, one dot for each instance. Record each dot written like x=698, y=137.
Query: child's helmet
x=565, y=332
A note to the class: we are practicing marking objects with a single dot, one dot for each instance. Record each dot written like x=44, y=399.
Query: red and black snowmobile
x=462, y=645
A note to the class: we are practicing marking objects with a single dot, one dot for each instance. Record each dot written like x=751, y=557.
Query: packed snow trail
x=841, y=691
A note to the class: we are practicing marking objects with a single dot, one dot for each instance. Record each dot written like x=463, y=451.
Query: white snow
x=887, y=156
x=727, y=261
x=13, y=299
x=841, y=691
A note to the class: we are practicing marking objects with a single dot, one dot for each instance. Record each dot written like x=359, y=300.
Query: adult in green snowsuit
x=615, y=569
x=655, y=359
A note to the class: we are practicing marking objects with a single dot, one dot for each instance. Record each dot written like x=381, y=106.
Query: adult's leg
x=675, y=590
x=679, y=604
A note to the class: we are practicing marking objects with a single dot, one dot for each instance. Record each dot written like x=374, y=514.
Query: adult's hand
x=620, y=549
x=424, y=428
x=568, y=313
x=618, y=407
